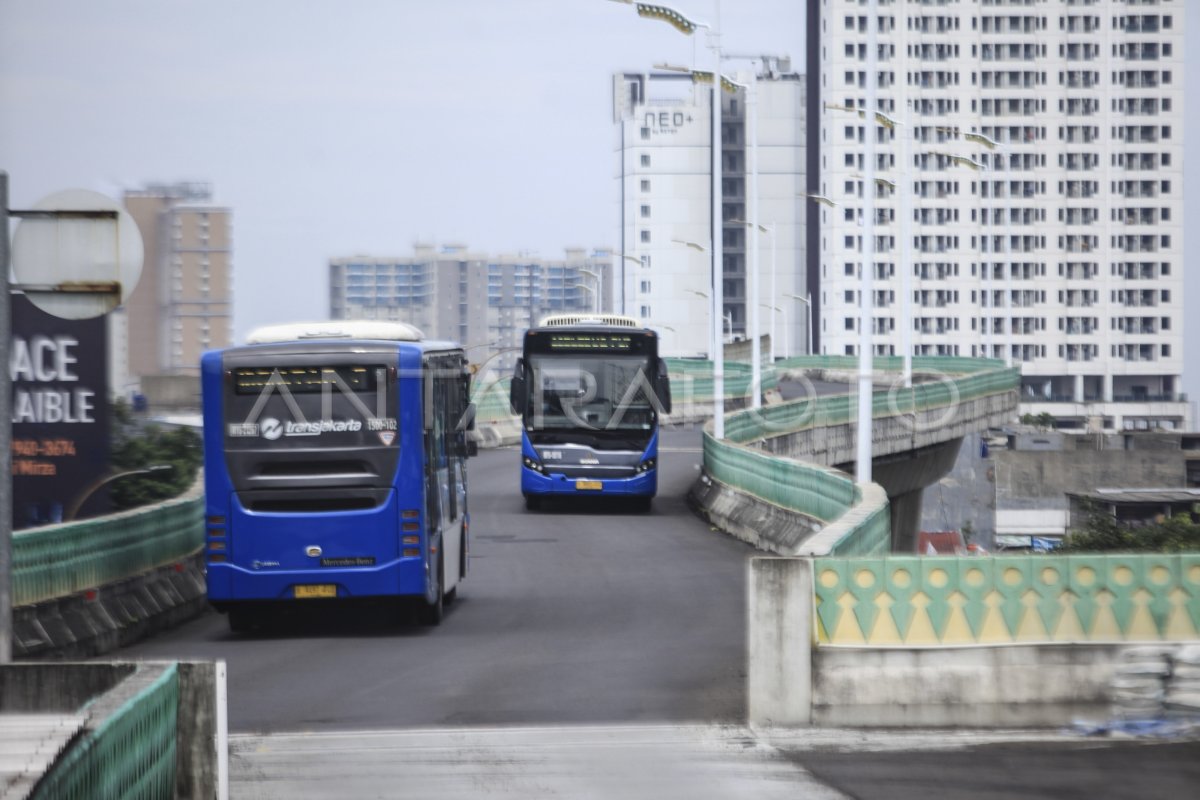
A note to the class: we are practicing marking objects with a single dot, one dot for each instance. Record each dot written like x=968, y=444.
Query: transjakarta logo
x=272, y=428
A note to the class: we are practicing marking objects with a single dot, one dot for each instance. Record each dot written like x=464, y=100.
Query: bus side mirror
x=468, y=418
x=516, y=391
x=662, y=385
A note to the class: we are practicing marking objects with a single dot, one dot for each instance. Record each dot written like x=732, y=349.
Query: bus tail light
x=411, y=552
x=411, y=540
x=410, y=513
x=410, y=526
x=216, y=556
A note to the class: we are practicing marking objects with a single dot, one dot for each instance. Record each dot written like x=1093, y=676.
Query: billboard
x=60, y=412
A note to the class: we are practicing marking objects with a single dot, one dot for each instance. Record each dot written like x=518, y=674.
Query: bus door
x=446, y=387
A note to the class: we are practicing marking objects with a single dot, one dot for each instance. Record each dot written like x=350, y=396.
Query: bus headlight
x=646, y=465
x=533, y=464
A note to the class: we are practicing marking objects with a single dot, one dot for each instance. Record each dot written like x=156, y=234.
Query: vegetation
x=1103, y=533
x=138, y=447
x=1044, y=421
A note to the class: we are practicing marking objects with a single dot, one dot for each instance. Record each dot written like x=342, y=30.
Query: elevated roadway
x=569, y=615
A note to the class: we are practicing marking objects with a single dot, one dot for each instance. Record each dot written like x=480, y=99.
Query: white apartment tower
x=1032, y=160
x=663, y=147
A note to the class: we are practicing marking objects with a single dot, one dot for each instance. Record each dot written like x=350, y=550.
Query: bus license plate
x=593, y=486
x=315, y=590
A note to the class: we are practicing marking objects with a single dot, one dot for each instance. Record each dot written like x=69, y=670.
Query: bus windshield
x=606, y=392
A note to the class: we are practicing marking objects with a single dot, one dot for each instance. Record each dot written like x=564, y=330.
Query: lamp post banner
x=60, y=412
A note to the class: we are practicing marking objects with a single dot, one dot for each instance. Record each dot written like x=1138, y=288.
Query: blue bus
x=590, y=391
x=335, y=469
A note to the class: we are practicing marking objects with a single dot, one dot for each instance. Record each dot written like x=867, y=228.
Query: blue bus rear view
x=335, y=468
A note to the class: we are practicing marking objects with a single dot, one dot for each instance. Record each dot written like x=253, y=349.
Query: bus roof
x=590, y=319
x=335, y=329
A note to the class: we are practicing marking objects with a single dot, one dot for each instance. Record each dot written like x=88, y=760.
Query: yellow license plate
x=315, y=590
x=593, y=486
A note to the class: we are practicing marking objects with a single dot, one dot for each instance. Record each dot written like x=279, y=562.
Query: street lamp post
x=787, y=348
x=688, y=26
x=587, y=289
x=599, y=295
x=807, y=318
x=624, y=281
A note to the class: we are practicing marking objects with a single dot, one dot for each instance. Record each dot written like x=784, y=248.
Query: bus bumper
x=231, y=583
x=535, y=484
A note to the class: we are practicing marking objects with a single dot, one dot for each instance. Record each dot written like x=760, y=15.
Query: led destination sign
x=589, y=343
x=304, y=380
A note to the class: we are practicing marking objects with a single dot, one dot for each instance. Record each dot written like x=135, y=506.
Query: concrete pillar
x=906, y=521
x=201, y=750
x=779, y=633
x=1078, y=388
x=1108, y=388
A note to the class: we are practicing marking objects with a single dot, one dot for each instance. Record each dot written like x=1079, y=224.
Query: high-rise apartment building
x=183, y=303
x=1029, y=172
x=664, y=173
x=471, y=298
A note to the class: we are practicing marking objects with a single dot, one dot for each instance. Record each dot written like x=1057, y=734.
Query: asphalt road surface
x=596, y=614
x=594, y=652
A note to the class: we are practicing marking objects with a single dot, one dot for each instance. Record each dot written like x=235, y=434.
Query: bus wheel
x=532, y=503
x=431, y=614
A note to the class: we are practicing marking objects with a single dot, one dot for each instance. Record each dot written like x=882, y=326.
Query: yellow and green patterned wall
x=914, y=601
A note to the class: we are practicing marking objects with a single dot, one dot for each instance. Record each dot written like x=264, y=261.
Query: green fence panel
x=60, y=560
x=131, y=754
x=940, y=383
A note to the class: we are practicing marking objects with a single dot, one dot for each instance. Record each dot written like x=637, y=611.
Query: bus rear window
x=305, y=380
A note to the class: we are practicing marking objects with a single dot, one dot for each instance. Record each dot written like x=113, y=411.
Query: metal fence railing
x=59, y=560
x=129, y=754
x=858, y=524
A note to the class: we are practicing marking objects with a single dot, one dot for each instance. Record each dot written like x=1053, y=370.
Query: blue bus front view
x=590, y=395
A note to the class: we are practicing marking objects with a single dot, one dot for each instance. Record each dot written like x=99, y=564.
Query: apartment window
x=645, y=186
x=645, y=133
x=645, y=312
x=645, y=236
x=645, y=211
x=645, y=160
x=645, y=287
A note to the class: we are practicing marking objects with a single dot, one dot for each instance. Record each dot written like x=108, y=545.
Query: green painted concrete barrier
x=816, y=491
x=59, y=560
x=130, y=754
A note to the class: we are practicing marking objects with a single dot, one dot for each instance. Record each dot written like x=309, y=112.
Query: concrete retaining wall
x=792, y=681
x=101, y=620
x=102, y=689
x=1003, y=686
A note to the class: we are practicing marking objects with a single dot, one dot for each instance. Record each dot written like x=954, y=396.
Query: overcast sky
x=337, y=127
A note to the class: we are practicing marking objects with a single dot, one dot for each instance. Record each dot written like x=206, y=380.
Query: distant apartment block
x=664, y=173
x=1059, y=248
x=183, y=303
x=478, y=300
